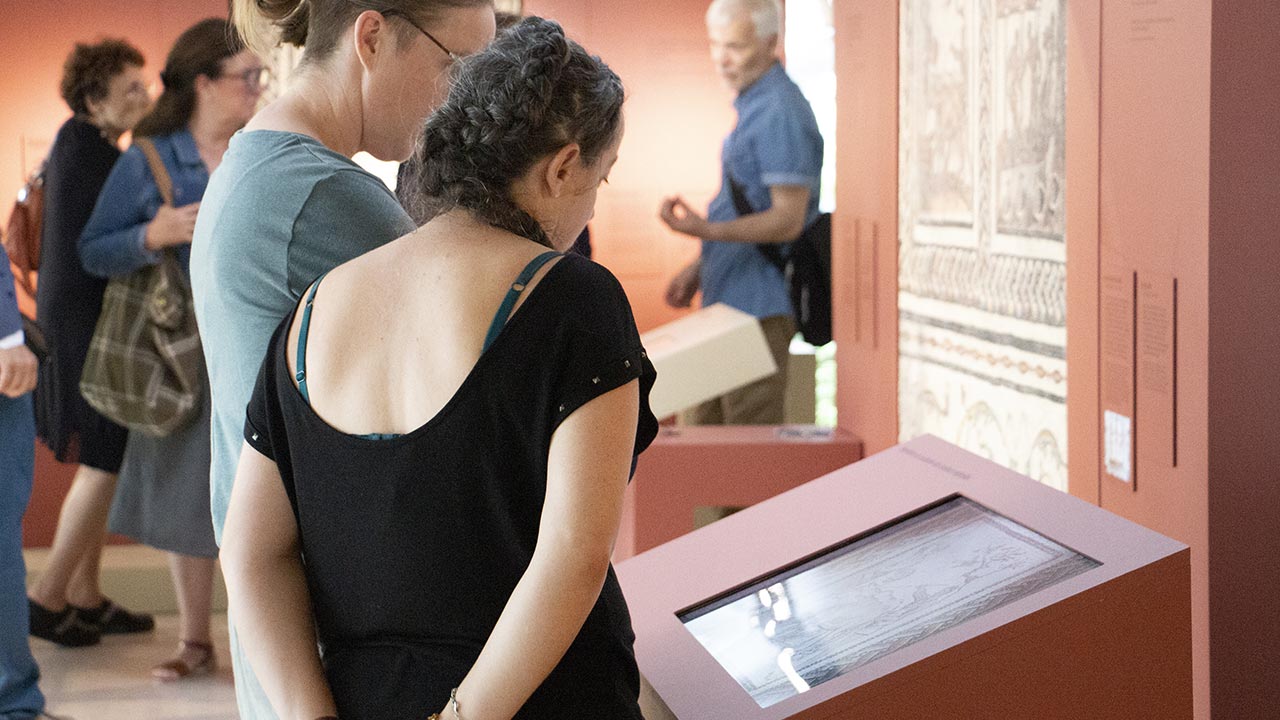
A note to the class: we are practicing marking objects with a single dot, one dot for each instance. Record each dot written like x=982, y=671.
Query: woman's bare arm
x=267, y=592
x=587, y=471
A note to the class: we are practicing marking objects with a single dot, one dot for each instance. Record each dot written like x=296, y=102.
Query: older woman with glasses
x=103, y=85
x=211, y=88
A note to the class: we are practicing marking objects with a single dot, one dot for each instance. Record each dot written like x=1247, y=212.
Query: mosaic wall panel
x=982, y=257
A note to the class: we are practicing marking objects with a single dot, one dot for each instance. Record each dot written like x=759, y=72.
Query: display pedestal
x=736, y=466
x=704, y=355
x=923, y=582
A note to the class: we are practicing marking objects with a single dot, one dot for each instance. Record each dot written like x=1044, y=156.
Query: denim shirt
x=10, y=320
x=775, y=142
x=114, y=240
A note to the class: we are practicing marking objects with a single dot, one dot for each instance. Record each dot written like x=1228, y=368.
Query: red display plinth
x=721, y=466
x=923, y=582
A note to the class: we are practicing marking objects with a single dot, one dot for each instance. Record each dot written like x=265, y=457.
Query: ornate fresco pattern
x=982, y=259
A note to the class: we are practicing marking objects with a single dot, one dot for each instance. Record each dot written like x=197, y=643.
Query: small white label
x=804, y=433
x=1118, y=442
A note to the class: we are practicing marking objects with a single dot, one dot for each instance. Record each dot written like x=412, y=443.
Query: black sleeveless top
x=412, y=545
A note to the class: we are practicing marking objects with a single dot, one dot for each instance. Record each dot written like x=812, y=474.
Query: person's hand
x=17, y=371
x=678, y=216
x=172, y=226
x=683, y=287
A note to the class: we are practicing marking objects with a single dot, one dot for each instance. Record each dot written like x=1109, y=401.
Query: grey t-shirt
x=280, y=210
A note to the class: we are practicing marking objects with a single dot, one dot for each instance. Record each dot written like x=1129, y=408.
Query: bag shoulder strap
x=770, y=251
x=741, y=204
x=158, y=170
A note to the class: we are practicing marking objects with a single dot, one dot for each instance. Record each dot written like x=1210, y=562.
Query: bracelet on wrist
x=453, y=705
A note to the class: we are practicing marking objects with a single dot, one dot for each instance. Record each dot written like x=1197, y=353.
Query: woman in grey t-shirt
x=287, y=203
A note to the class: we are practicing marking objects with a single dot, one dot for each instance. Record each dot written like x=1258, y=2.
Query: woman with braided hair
x=288, y=202
x=440, y=436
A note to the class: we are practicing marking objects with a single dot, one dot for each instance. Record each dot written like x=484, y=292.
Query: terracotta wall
x=1155, y=57
x=677, y=114
x=1244, y=342
x=865, y=228
x=1173, y=182
x=1084, y=87
x=35, y=37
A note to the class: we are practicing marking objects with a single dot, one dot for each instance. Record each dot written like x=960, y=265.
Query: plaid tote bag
x=145, y=367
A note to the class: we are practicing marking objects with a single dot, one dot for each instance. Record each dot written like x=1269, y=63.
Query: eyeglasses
x=395, y=13
x=138, y=90
x=254, y=78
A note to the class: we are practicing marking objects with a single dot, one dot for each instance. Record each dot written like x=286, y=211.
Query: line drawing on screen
x=878, y=594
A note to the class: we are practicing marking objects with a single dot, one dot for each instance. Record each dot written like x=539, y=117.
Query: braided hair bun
x=532, y=92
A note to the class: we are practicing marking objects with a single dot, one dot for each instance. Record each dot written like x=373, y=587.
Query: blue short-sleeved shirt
x=776, y=142
x=280, y=210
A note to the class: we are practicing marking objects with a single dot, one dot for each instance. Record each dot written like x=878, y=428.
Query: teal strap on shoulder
x=509, y=302
x=303, y=329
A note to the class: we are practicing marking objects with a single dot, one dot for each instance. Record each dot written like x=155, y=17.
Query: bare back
x=394, y=333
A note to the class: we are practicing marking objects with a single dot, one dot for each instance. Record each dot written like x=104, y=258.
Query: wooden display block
x=704, y=355
x=735, y=466
x=923, y=582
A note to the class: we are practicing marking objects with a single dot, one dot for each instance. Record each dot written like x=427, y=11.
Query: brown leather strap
x=158, y=170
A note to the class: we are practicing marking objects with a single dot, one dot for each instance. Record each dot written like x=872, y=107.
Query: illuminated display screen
x=874, y=595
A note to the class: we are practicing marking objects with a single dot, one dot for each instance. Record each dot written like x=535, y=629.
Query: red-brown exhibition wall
x=1243, y=345
x=677, y=114
x=1153, y=215
x=1173, y=173
x=1171, y=140
x=35, y=37
x=865, y=228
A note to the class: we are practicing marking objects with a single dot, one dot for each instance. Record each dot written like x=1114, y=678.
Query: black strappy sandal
x=111, y=619
x=64, y=627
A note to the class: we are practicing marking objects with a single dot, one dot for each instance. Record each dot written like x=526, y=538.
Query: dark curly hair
x=87, y=72
x=532, y=92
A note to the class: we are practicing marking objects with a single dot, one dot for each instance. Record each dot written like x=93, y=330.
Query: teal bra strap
x=509, y=302
x=303, y=330
x=302, y=341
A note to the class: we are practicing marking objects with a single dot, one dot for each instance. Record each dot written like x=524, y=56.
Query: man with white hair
x=771, y=165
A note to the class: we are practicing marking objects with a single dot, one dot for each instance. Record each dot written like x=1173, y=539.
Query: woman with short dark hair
x=436, y=451
x=103, y=85
x=211, y=88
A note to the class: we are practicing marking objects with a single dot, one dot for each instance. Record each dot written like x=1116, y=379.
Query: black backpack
x=806, y=268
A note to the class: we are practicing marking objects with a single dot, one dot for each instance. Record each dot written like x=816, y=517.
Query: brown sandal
x=179, y=669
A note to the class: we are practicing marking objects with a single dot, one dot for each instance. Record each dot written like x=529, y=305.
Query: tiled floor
x=111, y=681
